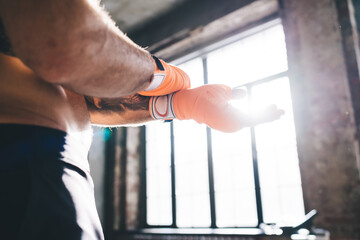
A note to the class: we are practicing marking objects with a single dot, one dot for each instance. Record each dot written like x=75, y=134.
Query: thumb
x=238, y=93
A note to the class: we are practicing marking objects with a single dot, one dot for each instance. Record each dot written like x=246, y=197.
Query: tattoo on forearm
x=133, y=102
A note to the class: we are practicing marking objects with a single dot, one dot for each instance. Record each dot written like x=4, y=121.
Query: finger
x=237, y=93
x=273, y=115
x=273, y=110
x=269, y=114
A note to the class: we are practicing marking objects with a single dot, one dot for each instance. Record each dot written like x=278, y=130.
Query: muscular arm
x=133, y=109
x=75, y=43
x=208, y=104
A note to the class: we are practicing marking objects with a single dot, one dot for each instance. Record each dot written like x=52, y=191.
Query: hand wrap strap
x=161, y=107
x=166, y=79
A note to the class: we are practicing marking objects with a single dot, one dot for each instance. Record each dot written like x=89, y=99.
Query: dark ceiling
x=132, y=14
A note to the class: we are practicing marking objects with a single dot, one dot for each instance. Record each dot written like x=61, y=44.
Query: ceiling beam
x=179, y=22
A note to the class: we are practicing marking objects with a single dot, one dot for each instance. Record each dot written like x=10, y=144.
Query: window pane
x=236, y=208
x=158, y=209
x=260, y=55
x=192, y=184
x=234, y=179
x=283, y=205
x=158, y=149
x=277, y=156
x=193, y=211
x=158, y=178
x=194, y=69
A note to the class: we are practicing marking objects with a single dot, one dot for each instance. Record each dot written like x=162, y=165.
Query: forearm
x=122, y=111
x=208, y=104
x=74, y=43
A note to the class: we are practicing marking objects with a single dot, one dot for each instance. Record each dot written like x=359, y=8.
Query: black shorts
x=43, y=194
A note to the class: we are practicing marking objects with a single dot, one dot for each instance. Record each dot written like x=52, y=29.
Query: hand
x=166, y=79
x=267, y=114
x=209, y=104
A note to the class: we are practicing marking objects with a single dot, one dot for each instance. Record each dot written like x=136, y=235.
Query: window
x=198, y=177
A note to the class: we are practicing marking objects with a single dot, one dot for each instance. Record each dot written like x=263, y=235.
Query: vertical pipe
x=211, y=180
x=256, y=170
x=210, y=159
x=109, y=216
x=120, y=174
x=173, y=185
x=143, y=196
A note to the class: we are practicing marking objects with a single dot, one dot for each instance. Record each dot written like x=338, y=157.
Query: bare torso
x=27, y=99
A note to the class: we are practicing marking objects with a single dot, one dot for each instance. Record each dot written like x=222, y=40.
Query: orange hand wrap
x=206, y=104
x=167, y=79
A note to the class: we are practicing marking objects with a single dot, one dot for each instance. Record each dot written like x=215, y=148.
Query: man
x=64, y=66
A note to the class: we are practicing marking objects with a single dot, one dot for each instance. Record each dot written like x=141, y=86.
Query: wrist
x=161, y=107
x=166, y=79
x=157, y=78
x=180, y=105
x=183, y=104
